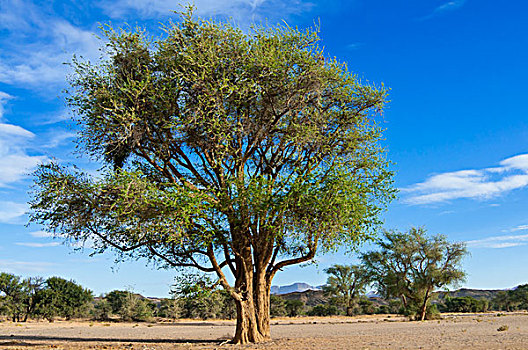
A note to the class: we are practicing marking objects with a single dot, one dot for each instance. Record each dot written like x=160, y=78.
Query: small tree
x=294, y=307
x=170, y=308
x=102, y=310
x=345, y=284
x=63, y=298
x=128, y=306
x=223, y=151
x=277, y=306
x=411, y=265
x=117, y=300
x=14, y=296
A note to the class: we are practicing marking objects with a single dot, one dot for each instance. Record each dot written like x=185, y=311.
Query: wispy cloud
x=354, y=46
x=36, y=45
x=11, y=212
x=4, y=97
x=242, y=11
x=445, y=7
x=511, y=174
x=499, y=242
x=59, y=137
x=37, y=245
x=25, y=266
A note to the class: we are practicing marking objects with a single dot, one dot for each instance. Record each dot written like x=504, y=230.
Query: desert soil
x=477, y=331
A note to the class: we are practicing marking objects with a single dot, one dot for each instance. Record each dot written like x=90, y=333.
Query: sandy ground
x=368, y=332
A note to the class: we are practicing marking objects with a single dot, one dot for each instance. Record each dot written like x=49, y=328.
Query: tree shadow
x=20, y=340
x=17, y=344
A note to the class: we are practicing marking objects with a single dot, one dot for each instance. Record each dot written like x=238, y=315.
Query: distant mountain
x=292, y=288
x=487, y=294
x=308, y=297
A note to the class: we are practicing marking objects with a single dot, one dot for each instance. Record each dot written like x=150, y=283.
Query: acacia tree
x=411, y=265
x=222, y=151
x=345, y=283
x=64, y=298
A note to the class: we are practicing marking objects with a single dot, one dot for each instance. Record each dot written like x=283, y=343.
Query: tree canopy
x=221, y=150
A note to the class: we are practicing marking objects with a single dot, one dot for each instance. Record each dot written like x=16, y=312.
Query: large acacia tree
x=224, y=151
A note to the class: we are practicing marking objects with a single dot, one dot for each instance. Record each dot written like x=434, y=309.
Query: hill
x=316, y=297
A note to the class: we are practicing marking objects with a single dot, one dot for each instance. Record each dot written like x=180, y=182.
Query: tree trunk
x=350, y=311
x=253, y=318
x=423, y=307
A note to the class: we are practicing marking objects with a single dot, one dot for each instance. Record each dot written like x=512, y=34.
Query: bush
x=464, y=304
x=294, y=307
x=169, y=308
x=62, y=298
x=127, y=305
x=102, y=310
x=323, y=310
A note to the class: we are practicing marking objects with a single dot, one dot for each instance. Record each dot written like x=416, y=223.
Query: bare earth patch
x=368, y=332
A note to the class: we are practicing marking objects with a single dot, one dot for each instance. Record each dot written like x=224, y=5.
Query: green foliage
x=411, y=265
x=128, y=306
x=16, y=296
x=117, y=300
x=464, y=304
x=366, y=306
x=515, y=299
x=169, y=308
x=199, y=297
x=32, y=297
x=102, y=310
x=323, y=310
x=277, y=306
x=63, y=298
x=345, y=284
x=294, y=307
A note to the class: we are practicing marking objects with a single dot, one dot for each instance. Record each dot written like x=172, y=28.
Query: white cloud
x=41, y=234
x=519, y=228
x=37, y=245
x=498, y=242
x=7, y=130
x=11, y=212
x=37, y=45
x=473, y=183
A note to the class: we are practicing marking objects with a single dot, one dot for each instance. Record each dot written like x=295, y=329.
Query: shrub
x=503, y=328
x=323, y=310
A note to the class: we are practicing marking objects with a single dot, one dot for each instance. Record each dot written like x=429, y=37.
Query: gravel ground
x=368, y=332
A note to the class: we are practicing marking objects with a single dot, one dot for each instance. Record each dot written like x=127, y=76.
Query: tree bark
x=253, y=318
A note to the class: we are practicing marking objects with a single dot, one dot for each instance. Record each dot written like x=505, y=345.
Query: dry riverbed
x=366, y=332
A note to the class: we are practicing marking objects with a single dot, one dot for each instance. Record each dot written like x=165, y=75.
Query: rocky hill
x=292, y=288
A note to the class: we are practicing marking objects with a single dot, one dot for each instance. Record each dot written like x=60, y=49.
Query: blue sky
x=457, y=126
